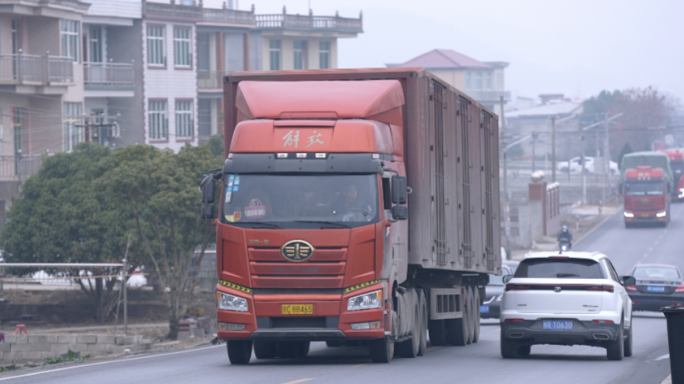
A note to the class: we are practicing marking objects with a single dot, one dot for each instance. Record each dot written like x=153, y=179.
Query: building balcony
x=310, y=23
x=114, y=76
x=19, y=167
x=210, y=80
x=198, y=14
x=36, y=70
x=488, y=95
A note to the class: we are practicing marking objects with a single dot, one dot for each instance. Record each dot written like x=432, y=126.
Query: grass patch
x=69, y=356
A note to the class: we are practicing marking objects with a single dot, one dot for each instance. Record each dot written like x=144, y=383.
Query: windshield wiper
x=269, y=225
x=335, y=223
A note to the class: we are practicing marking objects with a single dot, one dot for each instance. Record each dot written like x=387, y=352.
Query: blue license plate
x=484, y=308
x=563, y=325
x=655, y=289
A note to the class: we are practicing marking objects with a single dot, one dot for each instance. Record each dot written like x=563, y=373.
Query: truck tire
x=265, y=349
x=438, y=333
x=468, y=315
x=628, y=225
x=410, y=348
x=615, y=349
x=424, y=315
x=239, y=351
x=381, y=350
x=476, y=314
x=459, y=329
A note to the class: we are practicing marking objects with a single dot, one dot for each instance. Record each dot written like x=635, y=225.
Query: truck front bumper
x=329, y=322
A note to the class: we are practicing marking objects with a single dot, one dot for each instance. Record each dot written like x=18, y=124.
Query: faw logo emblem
x=297, y=251
x=644, y=201
x=557, y=289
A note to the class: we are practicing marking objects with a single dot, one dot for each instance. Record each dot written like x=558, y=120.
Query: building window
x=300, y=54
x=478, y=80
x=181, y=47
x=488, y=80
x=157, y=120
x=468, y=80
x=184, y=126
x=155, y=46
x=68, y=31
x=72, y=125
x=324, y=54
x=274, y=52
x=95, y=44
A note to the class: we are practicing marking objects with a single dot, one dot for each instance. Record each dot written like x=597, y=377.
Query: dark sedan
x=656, y=286
x=491, y=304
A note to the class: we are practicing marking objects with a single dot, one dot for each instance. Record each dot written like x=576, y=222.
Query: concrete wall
x=35, y=349
x=5, y=34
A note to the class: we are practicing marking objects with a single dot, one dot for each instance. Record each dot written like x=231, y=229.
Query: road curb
x=595, y=227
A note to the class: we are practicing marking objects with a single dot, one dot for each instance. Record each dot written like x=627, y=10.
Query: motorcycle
x=564, y=245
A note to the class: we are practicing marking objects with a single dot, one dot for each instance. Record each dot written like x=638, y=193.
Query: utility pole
x=507, y=221
x=606, y=157
x=582, y=166
x=534, y=151
x=553, y=149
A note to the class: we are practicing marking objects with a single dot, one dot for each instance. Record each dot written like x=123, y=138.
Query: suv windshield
x=559, y=268
x=300, y=201
x=653, y=188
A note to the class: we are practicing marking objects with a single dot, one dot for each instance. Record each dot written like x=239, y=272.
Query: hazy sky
x=576, y=47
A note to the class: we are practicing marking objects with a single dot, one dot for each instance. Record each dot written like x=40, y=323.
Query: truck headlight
x=661, y=214
x=366, y=301
x=629, y=214
x=228, y=302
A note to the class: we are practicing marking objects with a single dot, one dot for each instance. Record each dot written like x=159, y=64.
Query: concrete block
x=14, y=357
x=183, y=335
x=53, y=339
x=106, y=339
x=2, y=357
x=86, y=339
x=126, y=340
x=10, y=339
x=35, y=356
x=5, y=347
x=37, y=339
x=20, y=339
x=59, y=348
x=40, y=347
x=21, y=347
x=67, y=339
x=98, y=348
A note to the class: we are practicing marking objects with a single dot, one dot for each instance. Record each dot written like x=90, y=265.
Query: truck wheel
x=459, y=329
x=468, y=315
x=476, y=315
x=410, y=348
x=628, y=342
x=615, y=350
x=423, y=324
x=239, y=351
x=382, y=350
x=265, y=349
x=437, y=329
x=628, y=225
x=509, y=348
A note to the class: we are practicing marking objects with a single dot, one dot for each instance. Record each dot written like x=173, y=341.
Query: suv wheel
x=509, y=348
x=615, y=350
x=628, y=342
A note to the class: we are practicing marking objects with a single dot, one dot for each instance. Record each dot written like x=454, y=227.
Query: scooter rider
x=565, y=236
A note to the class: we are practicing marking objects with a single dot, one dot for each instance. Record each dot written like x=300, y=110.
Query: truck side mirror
x=400, y=212
x=207, y=212
x=399, y=190
x=208, y=188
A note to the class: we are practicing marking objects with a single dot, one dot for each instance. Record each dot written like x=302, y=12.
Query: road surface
x=476, y=363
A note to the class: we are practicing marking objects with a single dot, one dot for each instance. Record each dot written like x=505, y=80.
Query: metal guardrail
x=19, y=167
x=109, y=74
x=276, y=21
x=35, y=69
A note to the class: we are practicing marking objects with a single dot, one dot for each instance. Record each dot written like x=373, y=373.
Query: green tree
x=625, y=150
x=61, y=217
x=160, y=191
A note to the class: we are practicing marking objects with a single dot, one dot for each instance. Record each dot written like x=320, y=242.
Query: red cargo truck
x=357, y=206
x=646, y=197
x=677, y=165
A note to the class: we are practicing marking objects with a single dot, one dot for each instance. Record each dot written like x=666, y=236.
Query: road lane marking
x=107, y=362
x=646, y=255
x=656, y=243
x=663, y=357
x=432, y=349
x=650, y=249
x=297, y=381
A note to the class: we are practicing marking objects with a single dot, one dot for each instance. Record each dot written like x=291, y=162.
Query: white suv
x=573, y=298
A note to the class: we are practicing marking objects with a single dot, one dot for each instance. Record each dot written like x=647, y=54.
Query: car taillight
x=516, y=287
x=602, y=287
x=513, y=320
x=680, y=288
x=604, y=322
x=631, y=288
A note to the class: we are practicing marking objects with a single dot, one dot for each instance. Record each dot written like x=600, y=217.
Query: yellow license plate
x=297, y=309
x=644, y=215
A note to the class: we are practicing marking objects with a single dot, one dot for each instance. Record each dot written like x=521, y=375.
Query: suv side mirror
x=208, y=188
x=400, y=212
x=399, y=190
x=507, y=278
x=628, y=280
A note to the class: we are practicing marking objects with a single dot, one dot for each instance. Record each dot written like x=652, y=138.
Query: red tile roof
x=444, y=58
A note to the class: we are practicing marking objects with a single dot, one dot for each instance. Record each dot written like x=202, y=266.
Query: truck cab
x=677, y=165
x=646, y=197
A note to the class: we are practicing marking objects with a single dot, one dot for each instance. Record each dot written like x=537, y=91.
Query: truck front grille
x=324, y=270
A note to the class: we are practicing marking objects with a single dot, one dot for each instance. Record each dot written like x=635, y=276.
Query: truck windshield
x=677, y=167
x=654, y=188
x=300, y=201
